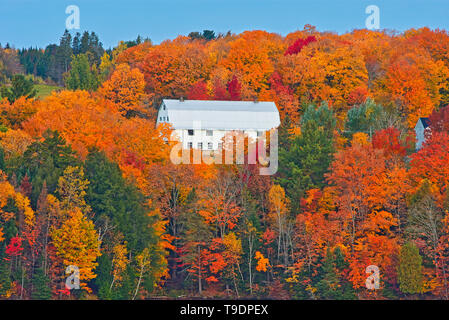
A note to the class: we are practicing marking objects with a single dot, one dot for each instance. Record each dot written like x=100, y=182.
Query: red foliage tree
x=390, y=141
x=234, y=89
x=358, y=96
x=431, y=163
x=278, y=86
x=297, y=46
x=220, y=92
x=14, y=248
x=284, y=97
x=439, y=120
x=25, y=186
x=198, y=91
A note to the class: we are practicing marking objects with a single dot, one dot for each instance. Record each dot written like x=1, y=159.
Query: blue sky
x=40, y=22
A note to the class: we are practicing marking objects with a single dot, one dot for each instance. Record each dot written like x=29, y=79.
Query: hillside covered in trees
x=86, y=178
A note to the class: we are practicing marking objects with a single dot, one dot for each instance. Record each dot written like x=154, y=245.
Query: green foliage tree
x=5, y=274
x=2, y=73
x=55, y=60
x=205, y=35
x=363, y=118
x=90, y=43
x=41, y=288
x=332, y=285
x=46, y=161
x=303, y=163
x=2, y=159
x=104, y=277
x=64, y=52
x=410, y=269
x=284, y=133
x=328, y=285
x=121, y=205
x=29, y=59
x=82, y=75
x=20, y=87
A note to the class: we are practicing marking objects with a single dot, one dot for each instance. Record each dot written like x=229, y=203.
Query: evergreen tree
x=363, y=118
x=41, y=286
x=104, y=277
x=328, y=286
x=46, y=161
x=81, y=75
x=30, y=58
x=76, y=44
x=304, y=161
x=84, y=42
x=209, y=35
x=331, y=284
x=96, y=48
x=5, y=273
x=64, y=54
x=110, y=195
x=347, y=291
x=2, y=159
x=285, y=133
x=20, y=87
x=410, y=269
x=113, y=199
x=49, y=64
x=125, y=290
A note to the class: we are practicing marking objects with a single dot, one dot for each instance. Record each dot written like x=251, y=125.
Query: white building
x=201, y=124
x=421, y=127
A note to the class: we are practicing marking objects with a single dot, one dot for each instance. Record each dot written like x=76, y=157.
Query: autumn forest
x=86, y=178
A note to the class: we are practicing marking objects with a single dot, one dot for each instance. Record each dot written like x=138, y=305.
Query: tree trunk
x=200, y=288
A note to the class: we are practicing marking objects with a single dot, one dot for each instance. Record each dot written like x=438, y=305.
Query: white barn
x=201, y=124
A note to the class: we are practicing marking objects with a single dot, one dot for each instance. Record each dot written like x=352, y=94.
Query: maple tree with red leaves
x=14, y=248
x=198, y=91
x=297, y=46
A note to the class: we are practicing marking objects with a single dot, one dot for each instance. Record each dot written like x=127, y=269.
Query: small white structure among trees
x=421, y=127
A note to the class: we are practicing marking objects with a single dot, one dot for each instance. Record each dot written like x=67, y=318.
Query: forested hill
x=86, y=179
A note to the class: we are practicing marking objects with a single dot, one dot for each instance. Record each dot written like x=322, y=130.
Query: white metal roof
x=222, y=115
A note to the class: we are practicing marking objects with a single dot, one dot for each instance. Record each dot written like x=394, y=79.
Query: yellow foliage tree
x=262, y=262
x=22, y=203
x=125, y=88
x=360, y=138
x=278, y=213
x=119, y=262
x=14, y=142
x=76, y=242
